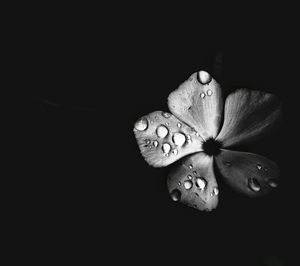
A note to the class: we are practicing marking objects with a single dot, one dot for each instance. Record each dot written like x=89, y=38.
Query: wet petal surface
x=248, y=114
x=248, y=173
x=198, y=102
x=193, y=182
x=163, y=138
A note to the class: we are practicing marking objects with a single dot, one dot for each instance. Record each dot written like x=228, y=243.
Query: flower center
x=212, y=147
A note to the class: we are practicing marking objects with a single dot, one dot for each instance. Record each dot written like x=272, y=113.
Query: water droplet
x=166, y=147
x=179, y=139
x=209, y=92
x=155, y=143
x=147, y=141
x=254, y=184
x=200, y=183
x=191, y=166
x=175, y=151
x=179, y=124
x=258, y=166
x=215, y=191
x=189, y=177
x=166, y=114
x=195, y=172
x=176, y=195
x=273, y=183
x=162, y=131
x=179, y=183
x=166, y=123
x=188, y=184
x=141, y=124
x=266, y=169
x=227, y=163
x=204, y=77
x=202, y=95
x=189, y=141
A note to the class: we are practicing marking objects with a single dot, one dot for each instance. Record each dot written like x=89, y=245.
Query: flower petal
x=163, y=139
x=247, y=115
x=198, y=102
x=249, y=173
x=193, y=182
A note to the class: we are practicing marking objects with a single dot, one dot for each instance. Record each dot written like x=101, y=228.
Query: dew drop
x=176, y=195
x=188, y=184
x=155, y=143
x=179, y=124
x=272, y=183
x=175, y=151
x=254, y=184
x=258, y=166
x=204, y=77
x=189, y=177
x=166, y=147
x=141, y=124
x=200, y=183
x=166, y=114
x=178, y=139
x=202, y=95
x=191, y=166
x=209, y=92
x=162, y=131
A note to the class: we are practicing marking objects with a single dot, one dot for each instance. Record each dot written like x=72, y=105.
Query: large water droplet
x=188, y=184
x=273, y=183
x=200, y=183
x=204, y=77
x=175, y=151
x=254, y=184
x=202, y=95
x=162, y=131
x=155, y=143
x=179, y=139
x=176, y=194
x=209, y=92
x=166, y=114
x=141, y=124
x=166, y=147
x=258, y=166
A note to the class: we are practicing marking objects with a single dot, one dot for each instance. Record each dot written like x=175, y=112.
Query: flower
x=201, y=129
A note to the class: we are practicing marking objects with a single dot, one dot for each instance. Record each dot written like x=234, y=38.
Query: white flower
x=197, y=127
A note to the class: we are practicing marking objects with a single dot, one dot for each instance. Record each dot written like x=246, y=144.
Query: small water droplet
x=175, y=151
x=166, y=114
x=195, y=172
x=254, y=184
x=190, y=166
x=155, y=143
x=188, y=184
x=162, y=131
x=179, y=183
x=147, y=141
x=258, y=166
x=141, y=124
x=178, y=139
x=215, y=191
x=151, y=122
x=200, y=183
x=176, y=195
x=166, y=123
x=273, y=183
x=202, y=95
x=204, y=77
x=189, y=177
x=227, y=163
x=166, y=147
x=179, y=124
x=209, y=92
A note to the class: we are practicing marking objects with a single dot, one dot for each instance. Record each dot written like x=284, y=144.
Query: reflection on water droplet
x=254, y=184
x=200, y=183
x=162, y=131
x=141, y=124
x=190, y=166
x=258, y=166
x=166, y=147
x=166, y=123
x=209, y=92
x=179, y=183
x=215, y=191
x=178, y=139
x=147, y=141
x=175, y=151
x=204, y=77
x=188, y=184
x=227, y=163
x=179, y=124
x=155, y=143
x=166, y=114
x=202, y=95
x=273, y=183
x=189, y=177
x=176, y=195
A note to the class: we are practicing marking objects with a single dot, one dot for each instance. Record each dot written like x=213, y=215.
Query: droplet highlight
x=215, y=191
x=179, y=183
x=204, y=77
x=178, y=139
x=189, y=177
x=209, y=92
x=258, y=166
x=141, y=124
x=191, y=166
x=166, y=147
x=155, y=143
x=273, y=183
x=200, y=183
x=179, y=124
x=175, y=195
x=254, y=184
x=162, y=131
x=175, y=151
x=202, y=95
x=188, y=184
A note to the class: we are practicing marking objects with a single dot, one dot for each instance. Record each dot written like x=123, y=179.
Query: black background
x=84, y=190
